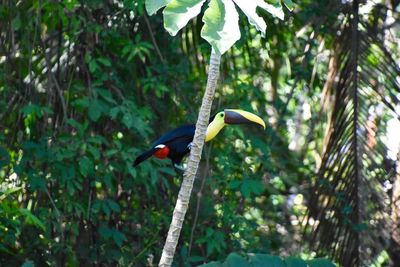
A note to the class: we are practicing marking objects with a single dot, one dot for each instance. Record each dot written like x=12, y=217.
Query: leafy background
x=85, y=86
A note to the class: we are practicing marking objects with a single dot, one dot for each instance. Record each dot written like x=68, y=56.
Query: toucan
x=177, y=143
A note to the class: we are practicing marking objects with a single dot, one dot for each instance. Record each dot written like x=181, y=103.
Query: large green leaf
x=320, y=263
x=152, y=6
x=295, y=262
x=289, y=4
x=249, y=9
x=179, y=12
x=235, y=260
x=221, y=27
x=262, y=260
x=265, y=260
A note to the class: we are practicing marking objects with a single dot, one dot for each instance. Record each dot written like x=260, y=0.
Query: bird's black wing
x=144, y=156
x=183, y=133
x=177, y=140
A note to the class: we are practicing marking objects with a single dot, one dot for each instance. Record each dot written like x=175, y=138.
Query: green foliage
x=221, y=27
x=178, y=12
x=69, y=195
x=264, y=260
x=153, y=5
x=354, y=154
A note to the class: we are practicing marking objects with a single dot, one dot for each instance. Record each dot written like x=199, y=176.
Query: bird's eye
x=222, y=114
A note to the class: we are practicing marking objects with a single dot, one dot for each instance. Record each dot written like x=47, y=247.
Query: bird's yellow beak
x=237, y=116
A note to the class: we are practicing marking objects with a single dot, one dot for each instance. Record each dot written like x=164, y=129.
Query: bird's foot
x=190, y=145
x=181, y=168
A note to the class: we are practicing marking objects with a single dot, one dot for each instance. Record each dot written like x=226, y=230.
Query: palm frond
x=349, y=203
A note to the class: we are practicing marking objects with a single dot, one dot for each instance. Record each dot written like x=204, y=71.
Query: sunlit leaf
x=221, y=27
x=179, y=12
x=289, y=4
x=249, y=9
x=152, y=6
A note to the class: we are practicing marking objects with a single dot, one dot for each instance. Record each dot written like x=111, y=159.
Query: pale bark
x=182, y=202
x=394, y=247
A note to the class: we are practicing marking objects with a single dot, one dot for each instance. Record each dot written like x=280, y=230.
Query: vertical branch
x=182, y=202
x=153, y=40
x=394, y=247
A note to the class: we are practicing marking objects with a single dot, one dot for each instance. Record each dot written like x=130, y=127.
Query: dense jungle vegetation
x=86, y=86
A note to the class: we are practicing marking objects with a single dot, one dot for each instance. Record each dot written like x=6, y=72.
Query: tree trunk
x=394, y=247
x=182, y=202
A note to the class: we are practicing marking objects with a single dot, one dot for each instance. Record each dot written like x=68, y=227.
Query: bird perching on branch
x=177, y=143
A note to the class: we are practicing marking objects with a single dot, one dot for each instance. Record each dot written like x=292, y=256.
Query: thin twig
x=38, y=17
x=153, y=39
x=56, y=85
x=10, y=103
x=60, y=216
x=151, y=243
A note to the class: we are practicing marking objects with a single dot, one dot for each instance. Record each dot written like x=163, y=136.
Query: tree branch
x=153, y=39
x=182, y=202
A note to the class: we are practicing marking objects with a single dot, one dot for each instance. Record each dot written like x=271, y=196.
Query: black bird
x=177, y=143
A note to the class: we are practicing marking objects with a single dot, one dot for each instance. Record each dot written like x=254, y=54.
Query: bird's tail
x=144, y=156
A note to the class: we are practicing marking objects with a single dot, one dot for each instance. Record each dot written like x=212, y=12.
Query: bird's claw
x=179, y=167
x=190, y=145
